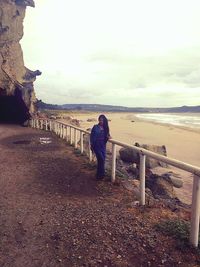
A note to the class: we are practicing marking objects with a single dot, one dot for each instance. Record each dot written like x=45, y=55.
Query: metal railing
x=69, y=133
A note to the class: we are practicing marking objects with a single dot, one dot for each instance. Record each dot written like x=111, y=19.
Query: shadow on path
x=52, y=167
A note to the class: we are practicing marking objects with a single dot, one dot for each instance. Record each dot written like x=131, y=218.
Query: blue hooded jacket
x=96, y=134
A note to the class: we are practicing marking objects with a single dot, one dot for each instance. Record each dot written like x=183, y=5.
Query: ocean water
x=183, y=119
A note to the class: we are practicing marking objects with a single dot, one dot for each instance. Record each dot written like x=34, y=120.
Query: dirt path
x=53, y=212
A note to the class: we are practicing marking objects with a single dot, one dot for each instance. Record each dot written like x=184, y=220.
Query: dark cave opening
x=13, y=109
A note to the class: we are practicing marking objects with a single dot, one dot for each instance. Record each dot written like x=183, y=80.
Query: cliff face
x=17, y=97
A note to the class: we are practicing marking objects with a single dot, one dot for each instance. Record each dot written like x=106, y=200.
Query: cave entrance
x=13, y=109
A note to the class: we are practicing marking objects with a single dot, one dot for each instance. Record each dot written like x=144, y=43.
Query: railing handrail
x=171, y=161
x=73, y=126
x=176, y=163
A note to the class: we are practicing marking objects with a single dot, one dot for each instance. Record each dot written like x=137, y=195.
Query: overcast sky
x=120, y=52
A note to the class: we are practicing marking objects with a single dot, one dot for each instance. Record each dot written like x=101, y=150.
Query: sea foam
x=185, y=120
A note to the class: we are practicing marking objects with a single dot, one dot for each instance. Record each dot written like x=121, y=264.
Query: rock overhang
x=16, y=81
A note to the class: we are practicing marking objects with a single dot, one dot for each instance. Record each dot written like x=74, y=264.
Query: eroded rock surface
x=17, y=96
x=132, y=156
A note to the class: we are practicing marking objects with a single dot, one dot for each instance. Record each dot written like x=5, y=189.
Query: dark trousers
x=100, y=153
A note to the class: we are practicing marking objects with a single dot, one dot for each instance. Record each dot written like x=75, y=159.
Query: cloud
x=119, y=52
x=193, y=79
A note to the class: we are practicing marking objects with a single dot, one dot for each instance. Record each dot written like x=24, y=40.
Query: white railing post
x=56, y=127
x=66, y=133
x=50, y=126
x=46, y=122
x=90, y=152
x=194, y=233
x=38, y=125
x=71, y=142
x=113, y=163
x=58, y=132
x=142, y=179
x=75, y=138
x=41, y=124
x=81, y=140
x=59, y=127
x=61, y=130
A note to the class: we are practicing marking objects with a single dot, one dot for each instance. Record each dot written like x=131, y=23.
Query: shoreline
x=196, y=130
x=76, y=113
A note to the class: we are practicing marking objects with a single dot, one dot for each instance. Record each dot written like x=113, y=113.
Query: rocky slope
x=16, y=81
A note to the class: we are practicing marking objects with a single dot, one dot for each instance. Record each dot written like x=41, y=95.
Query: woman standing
x=99, y=136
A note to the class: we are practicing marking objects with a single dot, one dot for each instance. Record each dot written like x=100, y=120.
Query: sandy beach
x=182, y=144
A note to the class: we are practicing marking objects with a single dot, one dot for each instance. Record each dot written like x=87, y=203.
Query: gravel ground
x=54, y=213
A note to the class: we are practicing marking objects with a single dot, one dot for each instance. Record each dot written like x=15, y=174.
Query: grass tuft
x=179, y=229
x=77, y=151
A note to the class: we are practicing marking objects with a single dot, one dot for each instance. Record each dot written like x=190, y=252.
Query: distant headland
x=106, y=108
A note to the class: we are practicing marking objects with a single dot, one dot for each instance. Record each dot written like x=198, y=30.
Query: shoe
x=99, y=178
